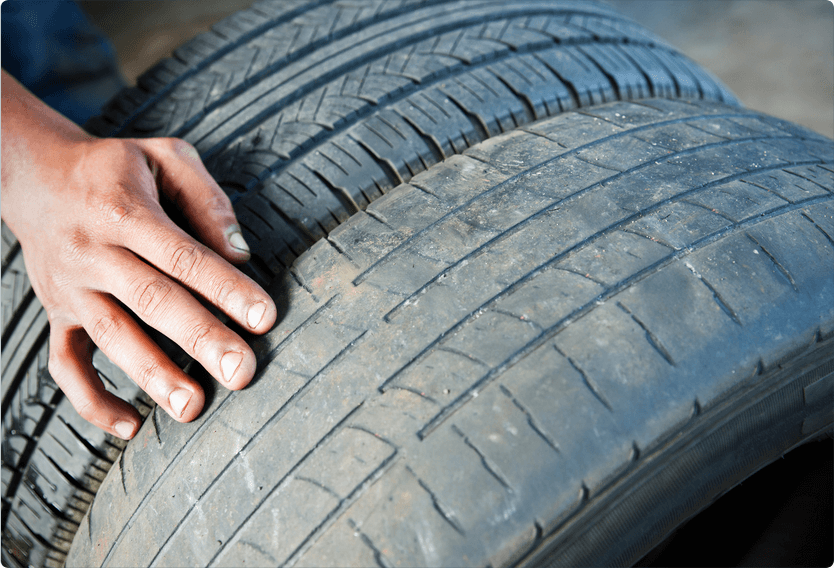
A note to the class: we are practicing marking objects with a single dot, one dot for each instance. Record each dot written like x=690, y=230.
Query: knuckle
x=186, y=261
x=183, y=148
x=198, y=335
x=146, y=373
x=86, y=407
x=55, y=366
x=221, y=291
x=118, y=211
x=77, y=246
x=219, y=203
x=149, y=294
x=105, y=330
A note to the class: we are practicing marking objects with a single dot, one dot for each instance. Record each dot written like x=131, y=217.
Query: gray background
x=776, y=55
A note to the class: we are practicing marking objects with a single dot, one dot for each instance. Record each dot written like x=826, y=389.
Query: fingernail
x=256, y=314
x=178, y=399
x=229, y=364
x=238, y=243
x=124, y=430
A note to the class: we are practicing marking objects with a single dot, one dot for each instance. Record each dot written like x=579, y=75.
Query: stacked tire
x=545, y=290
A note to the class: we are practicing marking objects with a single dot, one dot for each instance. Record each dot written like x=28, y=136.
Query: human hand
x=98, y=246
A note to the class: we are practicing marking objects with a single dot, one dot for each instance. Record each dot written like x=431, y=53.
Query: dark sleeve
x=55, y=52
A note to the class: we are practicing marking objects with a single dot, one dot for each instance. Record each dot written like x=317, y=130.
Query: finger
x=201, y=270
x=182, y=176
x=71, y=367
x=127, y=346
x=172, y=310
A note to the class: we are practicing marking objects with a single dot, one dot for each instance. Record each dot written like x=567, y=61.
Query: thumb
x=181, y=175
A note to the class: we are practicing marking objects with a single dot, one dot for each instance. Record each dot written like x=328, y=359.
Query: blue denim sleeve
x=55, y=52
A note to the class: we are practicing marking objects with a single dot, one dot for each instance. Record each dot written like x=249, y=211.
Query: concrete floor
x=776, y=55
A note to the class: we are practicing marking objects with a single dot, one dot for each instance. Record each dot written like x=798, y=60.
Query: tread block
x=799, y=250
x=543, y=298
x=678, y=224
x=602, y=372
x=388, y=137
x=529, y=78
x=628, y=80
x=476, y=177
x=16, y=287
x=409, y=209
x=679, y=137
x=660, y=80
x=572, y=131
x=340, y=544
x=441, y=376
x=358, y=453
x=747, y=281
x=492, y=337
x=480, y=94
x=365, y=238
x=513, y=153
x=688, y=86
x=682, y=311
x=346, y=162
x=432, y=111
x=614, y=257
x=588, y=83
x=822, y=215
x=792, y=184
x=612, y=153
x=396, y=539
x=736, y=200
x=290, y=513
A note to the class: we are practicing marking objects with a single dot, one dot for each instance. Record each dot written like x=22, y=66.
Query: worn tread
x=485, y=366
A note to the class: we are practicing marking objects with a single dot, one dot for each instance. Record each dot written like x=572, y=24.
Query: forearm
x=36, y=144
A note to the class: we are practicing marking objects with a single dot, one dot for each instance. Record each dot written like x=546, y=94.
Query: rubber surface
x=305, y=112
x=53, y=460
x=550, y=350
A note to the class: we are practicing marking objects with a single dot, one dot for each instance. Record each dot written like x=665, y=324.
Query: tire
x=296, y=163
x=550, y=350
x=53, y=460
x=305, y=112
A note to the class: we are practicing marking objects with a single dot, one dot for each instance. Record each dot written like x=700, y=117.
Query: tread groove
x=821, y=230
x=491, y=468
x=531, y=421
x=446, y=516
x=548, y=333
x=650, y=337
x=362, y=276
x=289, y=475
x=782, y=270
x=84, y=442
x=586, y=380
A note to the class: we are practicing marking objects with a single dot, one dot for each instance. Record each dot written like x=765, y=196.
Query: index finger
x=198, y=268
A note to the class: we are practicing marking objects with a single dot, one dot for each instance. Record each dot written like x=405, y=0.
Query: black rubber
x=53, y=460
x=305, y=112
x=550, y=350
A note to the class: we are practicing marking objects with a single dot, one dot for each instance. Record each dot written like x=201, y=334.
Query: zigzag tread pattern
x=53, y=461
x=301, y=150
